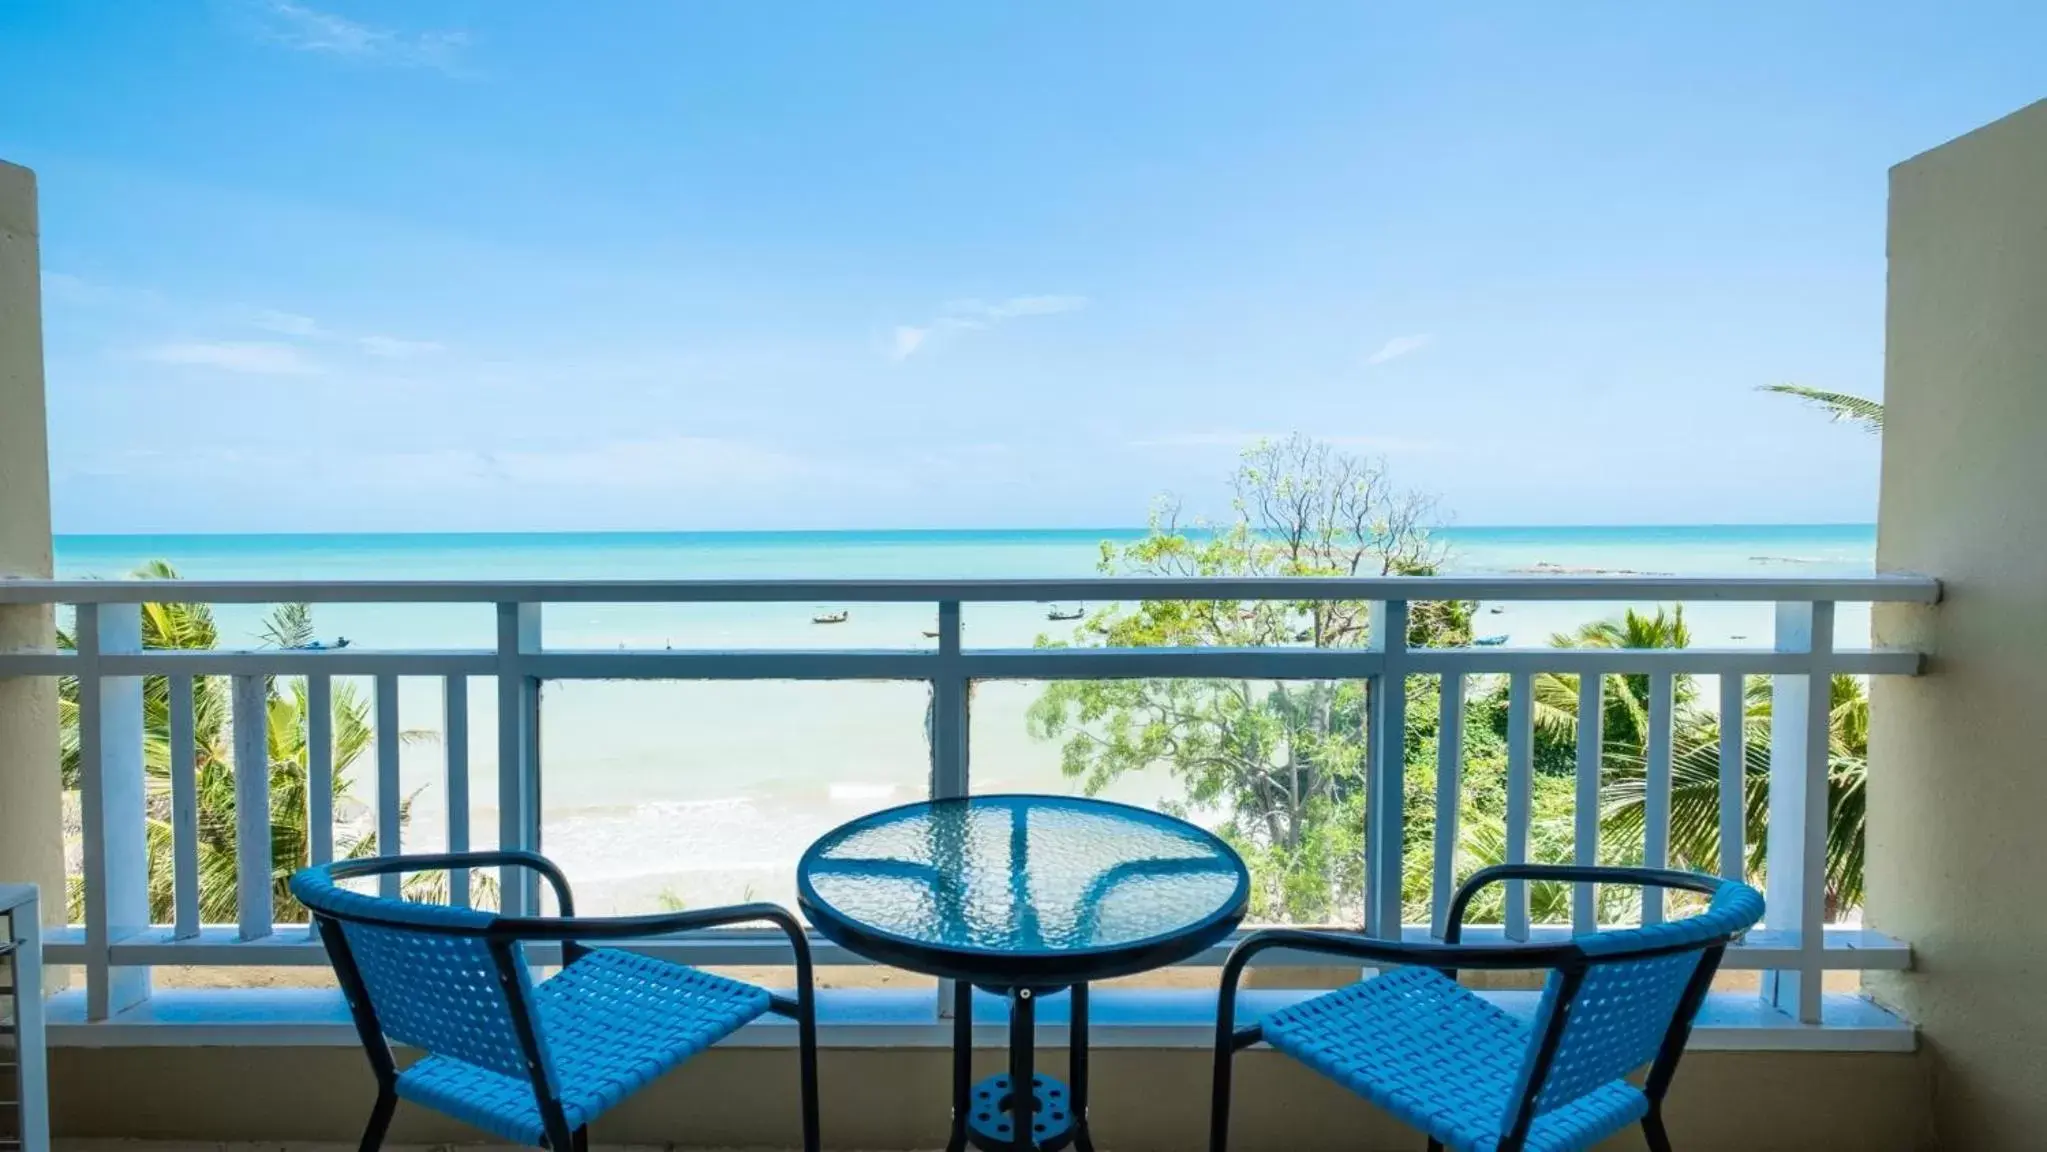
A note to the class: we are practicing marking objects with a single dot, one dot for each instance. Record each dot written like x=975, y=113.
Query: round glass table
x=1022, y=895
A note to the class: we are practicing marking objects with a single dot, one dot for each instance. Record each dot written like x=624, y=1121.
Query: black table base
x=991, y=1115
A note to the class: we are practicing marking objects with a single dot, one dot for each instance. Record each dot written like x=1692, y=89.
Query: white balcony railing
x=117, y=944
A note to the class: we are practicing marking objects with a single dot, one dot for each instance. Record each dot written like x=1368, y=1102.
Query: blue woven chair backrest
x=1624, y=1007
x=430, y=985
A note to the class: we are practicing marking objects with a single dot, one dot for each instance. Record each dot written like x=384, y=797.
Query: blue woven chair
x=1476, y=1078
x=533, y=1063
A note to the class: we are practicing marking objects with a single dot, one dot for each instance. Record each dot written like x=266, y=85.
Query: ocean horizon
x=706, y=792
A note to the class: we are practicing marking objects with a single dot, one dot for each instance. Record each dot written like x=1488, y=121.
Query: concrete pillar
x=1957, y=858
x=31, y=815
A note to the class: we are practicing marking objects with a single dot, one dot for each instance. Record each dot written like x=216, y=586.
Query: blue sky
x=338, y=265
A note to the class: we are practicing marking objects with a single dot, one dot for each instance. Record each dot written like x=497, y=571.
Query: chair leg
x=1219, y=1106
x=380, y=1119
x=1435, y=1145
x=806, y=1054
x=581, y=1139
x=559, y=1137
x=1652, y=1131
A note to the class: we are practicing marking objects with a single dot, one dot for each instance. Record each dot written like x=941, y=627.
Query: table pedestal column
x=1048, y=1114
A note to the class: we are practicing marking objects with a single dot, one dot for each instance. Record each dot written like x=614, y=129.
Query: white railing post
x=949, y=710
x=455, y=782
x=1656, y=781
x=1520, y=794
x=1733, y=775
x=1449, y=789
x=1386, y=770
x=1797, y=840
x=390, y=800
x=1585, y=835
x=319, y=776
x=950, y=731
x=319, y=769
x=518, y=752
x=252, y=807
x=112, y=806
x=184, y=768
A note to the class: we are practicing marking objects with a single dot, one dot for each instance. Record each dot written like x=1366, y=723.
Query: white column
x=1958, y=757
x=31, y=807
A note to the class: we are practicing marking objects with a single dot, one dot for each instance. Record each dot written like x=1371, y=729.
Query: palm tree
x=1695, y=757
x=1841, y=405
x=191, y=626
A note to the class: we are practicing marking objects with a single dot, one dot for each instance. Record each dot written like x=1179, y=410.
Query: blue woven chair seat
x=1441, y=1058
x=611, y=1023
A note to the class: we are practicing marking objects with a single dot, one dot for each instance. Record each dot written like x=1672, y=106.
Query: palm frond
x=1841, y=406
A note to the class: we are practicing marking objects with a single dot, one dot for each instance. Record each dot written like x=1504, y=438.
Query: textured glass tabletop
x=995, y=886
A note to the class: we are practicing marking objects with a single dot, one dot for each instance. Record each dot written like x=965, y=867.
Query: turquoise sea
x=703, y=792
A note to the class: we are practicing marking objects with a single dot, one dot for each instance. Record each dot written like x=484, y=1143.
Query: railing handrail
x=1882, y=588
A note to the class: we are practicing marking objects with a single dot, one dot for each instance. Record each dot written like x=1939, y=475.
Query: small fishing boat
x=838, y=617
x=1073, y=613
x=1490, y=641
x=931, y=633
x=1498, y=608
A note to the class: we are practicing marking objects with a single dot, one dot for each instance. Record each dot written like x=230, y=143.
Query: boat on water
x=1061, y=613
x=1491, y=641
x=931, y=633
x=838, y=617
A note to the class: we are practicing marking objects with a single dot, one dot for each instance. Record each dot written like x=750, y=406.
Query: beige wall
x=31, y=824
x=1145, y=1100
x=1958, y=765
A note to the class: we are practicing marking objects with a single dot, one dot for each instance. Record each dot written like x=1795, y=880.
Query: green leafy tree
x=1280, y=765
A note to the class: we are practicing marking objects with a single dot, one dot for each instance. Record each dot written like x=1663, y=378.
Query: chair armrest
x=1373, y=951
x=437, y=861
x=1570, y=874
x=573, y=931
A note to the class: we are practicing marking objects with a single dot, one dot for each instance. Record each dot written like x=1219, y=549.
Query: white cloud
x=286, y=323
x=970, y=311
x=308, y=29
x=1400, y=346
x=971, y=314
x=255, y=358
x=392, y=348
x=907, y=339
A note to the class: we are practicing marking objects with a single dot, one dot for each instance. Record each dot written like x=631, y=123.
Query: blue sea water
x=707, y=791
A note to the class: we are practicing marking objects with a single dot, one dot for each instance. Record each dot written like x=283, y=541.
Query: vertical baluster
x=949, y=737
x=1656, y=790
x=1733, y=775
x=1591, y=734
x=1385, y=771
x=1800, y=707
x=390, y=810
x=319, y=769
x=319, y=775
x=455, y=741
x=184, y=809
x=252, y=806
x=1449, y=780
x=518, y=753
x=1520, y=794
x=112, y=806
x=949, y=704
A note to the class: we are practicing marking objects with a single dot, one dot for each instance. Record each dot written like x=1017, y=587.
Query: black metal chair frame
x=505, y=933
x=1566, y=958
